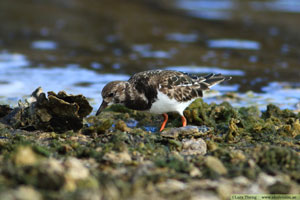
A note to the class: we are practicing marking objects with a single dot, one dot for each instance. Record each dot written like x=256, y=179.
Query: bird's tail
x=214, y=79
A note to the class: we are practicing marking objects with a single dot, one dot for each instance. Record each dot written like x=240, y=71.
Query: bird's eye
x=111, y=95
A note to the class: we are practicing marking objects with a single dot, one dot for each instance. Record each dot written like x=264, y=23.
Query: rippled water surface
x=79, y=46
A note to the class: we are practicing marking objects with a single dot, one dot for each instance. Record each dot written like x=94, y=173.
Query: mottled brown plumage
x=178, y=85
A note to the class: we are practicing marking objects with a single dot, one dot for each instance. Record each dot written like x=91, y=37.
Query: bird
x=159, y=91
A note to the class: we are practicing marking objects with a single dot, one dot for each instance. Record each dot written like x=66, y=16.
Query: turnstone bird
x=159, y=91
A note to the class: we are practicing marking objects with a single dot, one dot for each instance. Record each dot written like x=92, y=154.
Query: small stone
x=27, y=193
x=195, y=172
x=170, y=134
x=53, y=166
x=215, y=164
x=211, y=146
x=237, y=156
x=171, y=186
x=115, y=157
x=75, y=169
x=193, y=147
x=21, y=193
x=265, y=180
x=25, y=156
x=122, y=126
x=279, y=188
x=224, y=190
x=241, y=180
x=204, y=196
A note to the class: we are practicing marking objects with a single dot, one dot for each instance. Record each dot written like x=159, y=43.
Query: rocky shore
x=50, y=148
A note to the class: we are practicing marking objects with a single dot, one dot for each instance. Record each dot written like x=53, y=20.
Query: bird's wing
x=176, y=85
x=182, y=86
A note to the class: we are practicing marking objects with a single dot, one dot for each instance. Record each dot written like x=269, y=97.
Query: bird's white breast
x=164, y=104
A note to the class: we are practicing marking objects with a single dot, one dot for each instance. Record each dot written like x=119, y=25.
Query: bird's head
x=112, y=93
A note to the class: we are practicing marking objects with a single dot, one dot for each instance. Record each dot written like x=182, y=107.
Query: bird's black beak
x=104, y=104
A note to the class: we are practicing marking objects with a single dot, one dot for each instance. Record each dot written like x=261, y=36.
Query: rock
x=171, y=186
x=195, y=172
x=279, y=188
x=187, y=131
x=265, y=180
x=115, y=157
x=51, y=174
x=57, y=112
x=53, y=166
x=25, y=156
x=225, y=190
x=75, y=169
x=193, y=147
x=211, y=146
x=4, y=110
x=122, y=126
x=27, y=193
x=21, y=193
x=241, y=180
x=205, y=195
x=215, y=164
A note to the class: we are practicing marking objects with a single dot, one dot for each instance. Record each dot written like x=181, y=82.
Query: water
x=87, y=44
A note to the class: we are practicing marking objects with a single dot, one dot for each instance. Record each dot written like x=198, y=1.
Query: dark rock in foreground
x=57, y=112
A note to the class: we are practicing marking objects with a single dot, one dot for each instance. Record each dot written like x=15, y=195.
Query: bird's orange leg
x=183, y=119
x=165, y=122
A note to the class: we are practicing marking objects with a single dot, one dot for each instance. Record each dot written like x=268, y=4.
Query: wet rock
x=193, y=147
x=215, y=165
x=187, y=131
x=57, y=112
x=4, y=110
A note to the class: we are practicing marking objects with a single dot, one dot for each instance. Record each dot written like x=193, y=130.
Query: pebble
x=193, y=147
x=216, y=165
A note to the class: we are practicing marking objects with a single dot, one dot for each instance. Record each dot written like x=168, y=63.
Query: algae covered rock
x=57, y=112
x=187, y=131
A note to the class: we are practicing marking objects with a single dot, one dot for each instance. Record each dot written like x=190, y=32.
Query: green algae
x=243, y=142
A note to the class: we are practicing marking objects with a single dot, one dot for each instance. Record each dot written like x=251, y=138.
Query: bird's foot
x=164, y=123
